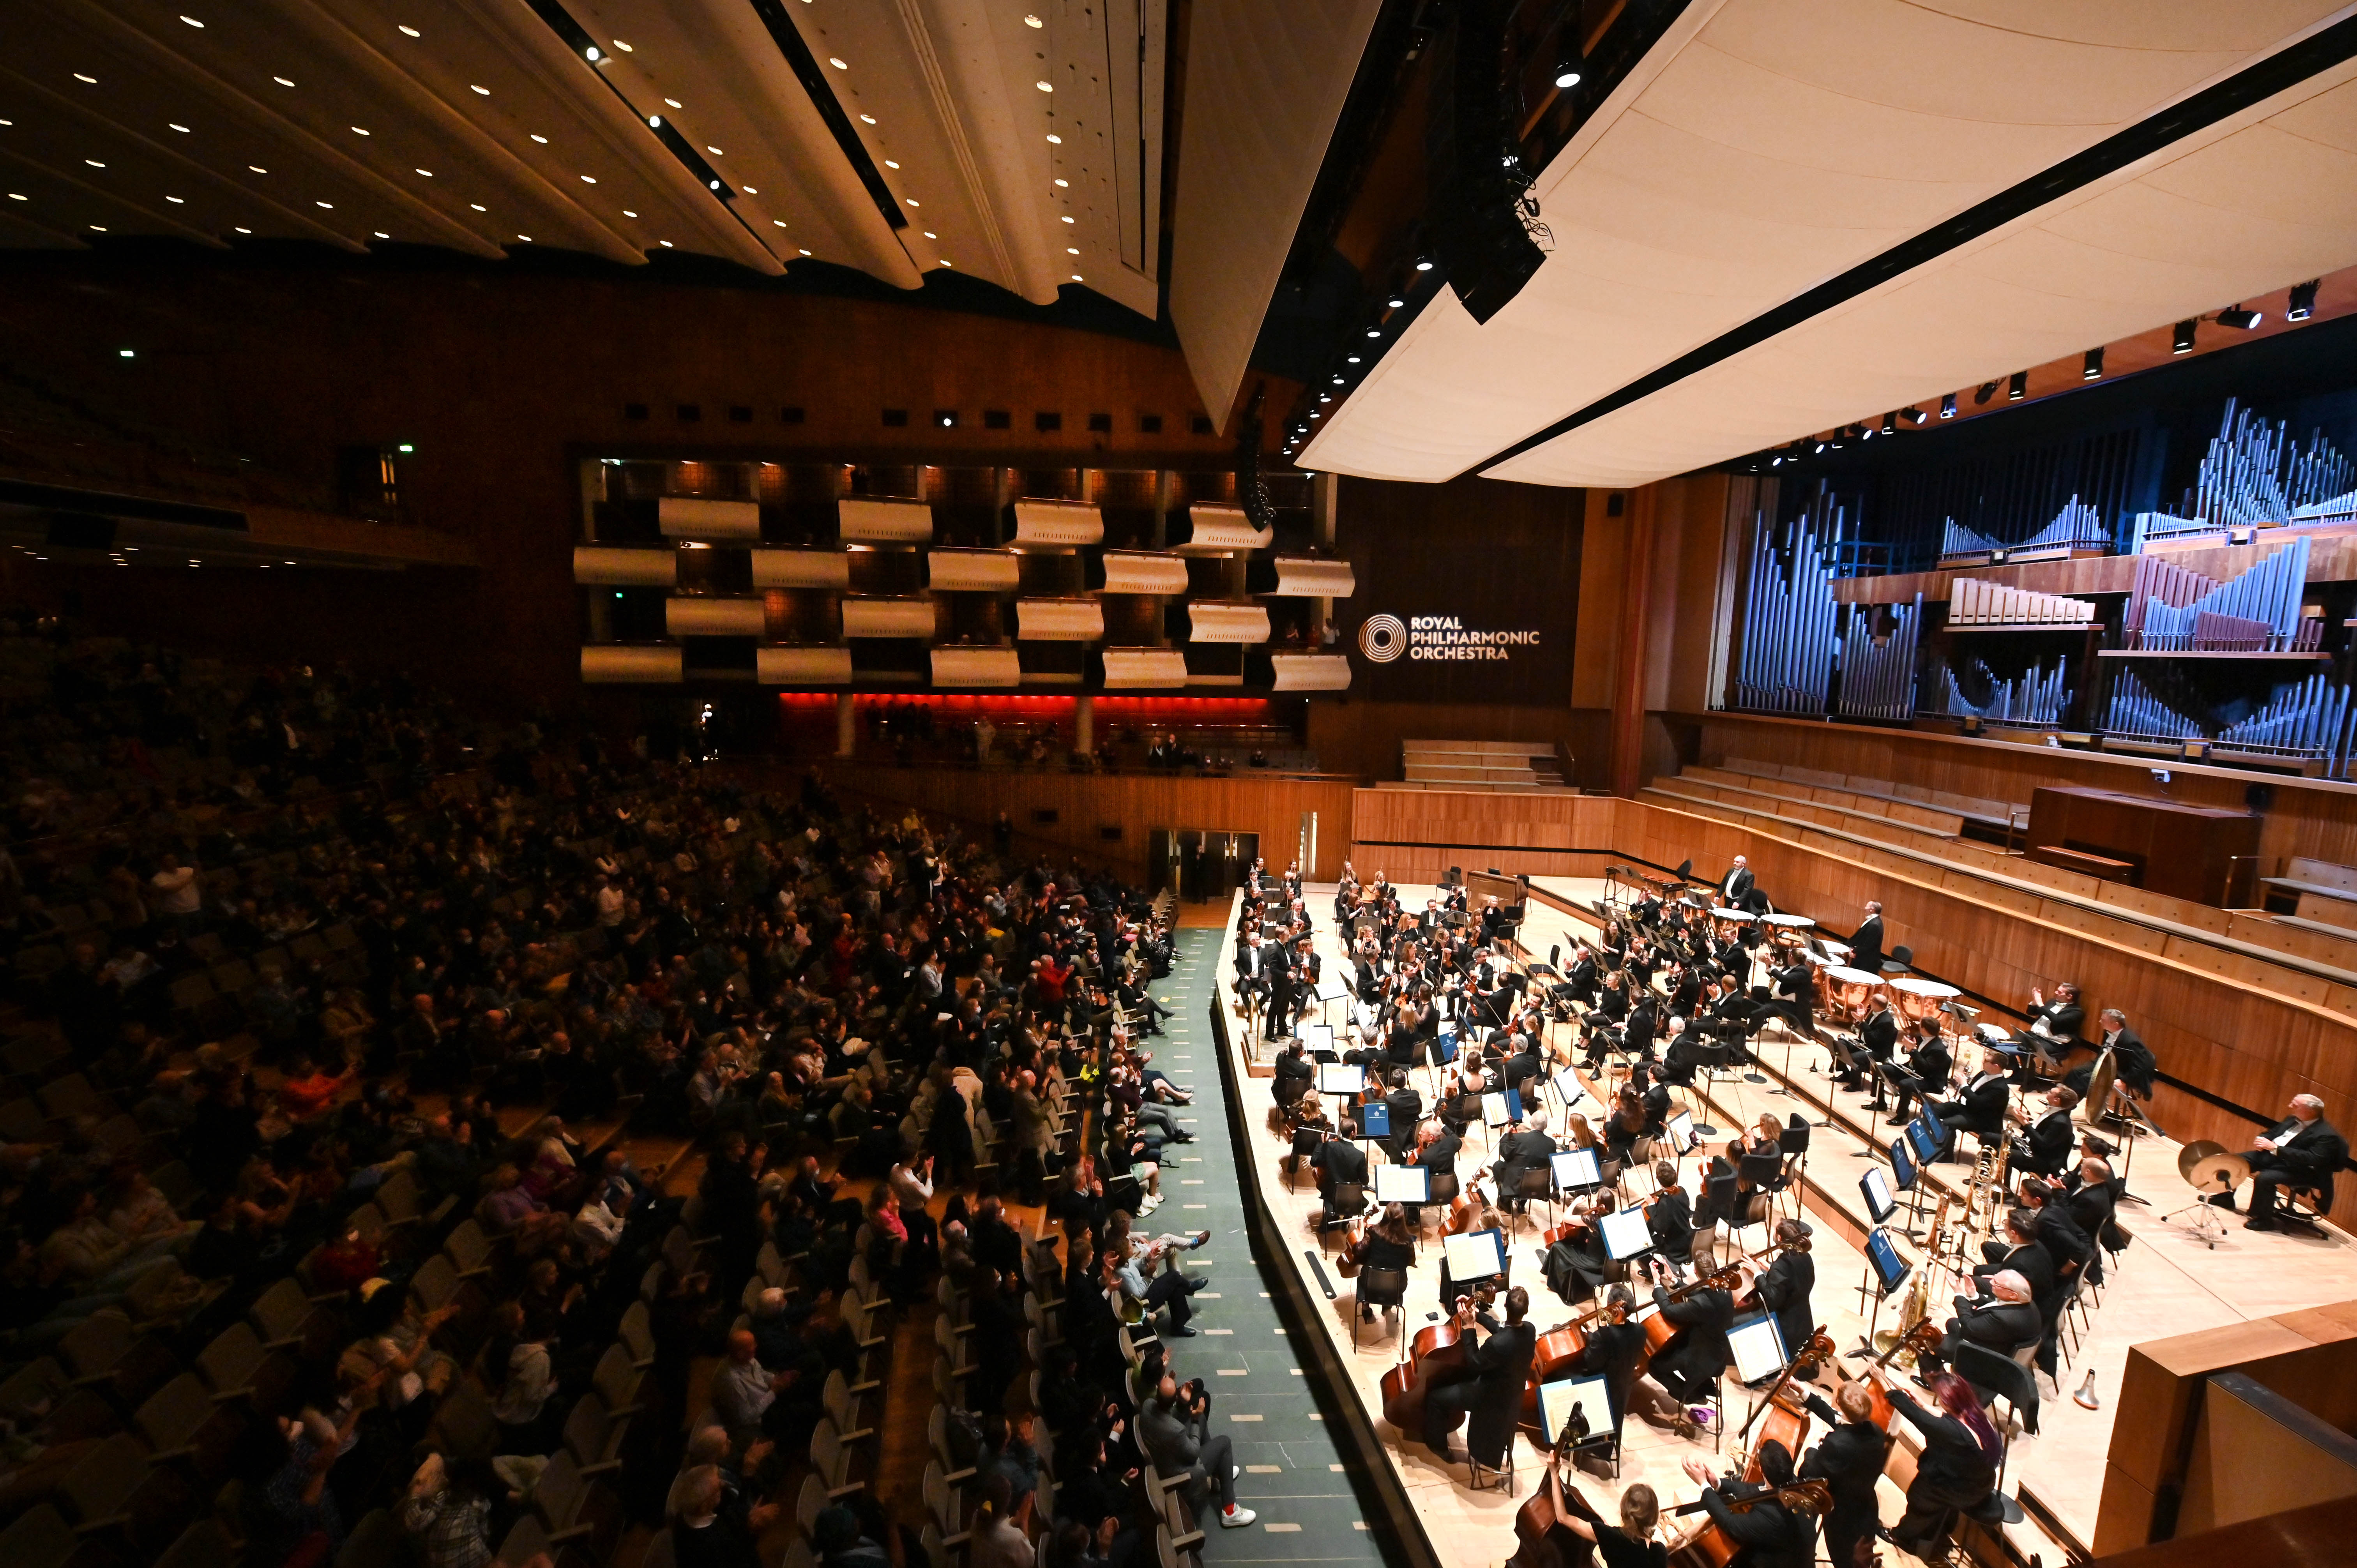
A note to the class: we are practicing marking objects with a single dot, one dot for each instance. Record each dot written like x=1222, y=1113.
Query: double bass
x=1541, y=1539
x=1436, y=1355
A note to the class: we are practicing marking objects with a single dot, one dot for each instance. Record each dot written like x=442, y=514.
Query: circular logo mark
x=1383, y=637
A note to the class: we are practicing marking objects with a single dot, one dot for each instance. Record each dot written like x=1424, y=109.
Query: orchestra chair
x=1445, y=1190
x=2304, y=1207
x=1537, y=1185
x=1501, y=1479
x=1794, y=1142
x=1718, y=1200
x=1385, y=1290
x=1305, y=1144
x=1899, y=960
x=1764, y=1174
x=1349, y=1202
x=2006, y=1379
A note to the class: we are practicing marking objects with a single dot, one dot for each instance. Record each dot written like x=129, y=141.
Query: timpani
x=1790, y=923
x=1729, y=923
x=1847, y=990
x=1840, y=952
x=1919, y=999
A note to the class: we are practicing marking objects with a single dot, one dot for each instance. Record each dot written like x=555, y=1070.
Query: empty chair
x=593, y=1438
x=527, y=1541
x=41, y=1539
x=287, y=1319
x=472, y=1254
x=636, y=1335
x=236, y=1365
x=830, y=1459
x=464, y=1427
x=572, y=1508
x=616, y=1380
x=842, y=1399
x=114, y=1490
x=376, y=1541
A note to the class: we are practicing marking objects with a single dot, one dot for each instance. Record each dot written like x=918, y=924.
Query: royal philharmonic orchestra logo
x=1385, y=638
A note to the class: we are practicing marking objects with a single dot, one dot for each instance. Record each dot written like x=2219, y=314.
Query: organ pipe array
x=2307, y=719
x=1973, y=602
x=2036, y=697
x=2077, y=526
x=2254, y=475
x=1788, y=619
x=1878, y=673
x=2175, y=610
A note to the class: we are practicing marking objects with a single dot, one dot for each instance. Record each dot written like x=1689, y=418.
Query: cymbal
x=2193, y=1154
x=2221, y=1173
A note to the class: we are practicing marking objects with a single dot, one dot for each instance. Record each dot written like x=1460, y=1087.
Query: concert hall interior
x=1160, y=783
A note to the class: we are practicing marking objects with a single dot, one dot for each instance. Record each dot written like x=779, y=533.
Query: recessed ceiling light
x=177, y=201
x=93, y=163
x=359, y=131
x=257, y=168
x=242, y=229
x=588, y=179
x=805, y=252
x=778, y=222
x=282, y=81
x=182, y=129
x=1077, y=278
x=478, y=207
x=911, y=201
x=750, y=190
x=623, y=47
x=627, y=213
x=329, y=205
x=192, y=21
x=13, y=196
x=674, y=104
x=930, y=235
x=1068, y=218
x=128, y=353
x=98, y=228
x=1031, y=21
x=947, y=263
x=664, y=243
x=868, y=119
x=538, y=137
x=1055, y=138
x=484, y=90
x=1045, y=86
x=380, y=234
x=889, y=164
x=427, y=172
x=836, y=63
x=1063, y=185
x=1071, y=249
x=525, y=238
x=80, y=77
x=411, y=31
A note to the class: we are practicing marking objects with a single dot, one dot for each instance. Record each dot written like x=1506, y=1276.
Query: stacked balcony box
x=974, y=571
x=827, y=569
x=616, y=664
x=1227, y=623
x=1140, y=572
x=1311, y=672
x=1131, y=668
x=1312, y=578
x=1057, y=525
x=1058, y=620
x=685, y=616
x=888, y=618
x=864, y=519
x=616, y=567
x=691, y=517
x=802, y=666
x=960, y=667
x=1223, y=529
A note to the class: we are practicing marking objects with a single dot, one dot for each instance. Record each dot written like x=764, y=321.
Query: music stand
x=1886, y=1270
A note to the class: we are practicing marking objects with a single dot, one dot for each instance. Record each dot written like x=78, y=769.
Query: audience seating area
x=426, y=1141
x=1510, y=766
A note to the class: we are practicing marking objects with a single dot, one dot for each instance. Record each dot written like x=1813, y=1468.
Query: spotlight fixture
x=2241, y=320
x=1890, y=423
x=2093, y=371
x=2018, y=387
x=1423, y=265
x=2303, y=301
x=1947, y=405
x=1568, y=65
x=1981, y=395
x=2181, y=340
x=1818, y=448
x=1911, y=416
x=1396, y=303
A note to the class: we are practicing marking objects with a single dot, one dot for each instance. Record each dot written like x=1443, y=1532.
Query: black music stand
x=1710, y=1061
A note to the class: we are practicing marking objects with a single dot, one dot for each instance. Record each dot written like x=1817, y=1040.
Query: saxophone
x=1916, y=1304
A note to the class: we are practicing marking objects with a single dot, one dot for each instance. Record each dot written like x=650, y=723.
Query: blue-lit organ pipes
x=2035, y=697
x=2077, y=526
x=1877, y=660
x=2254, y=475
x=2171, y=610
x=2307, y=720
x=1788, y=617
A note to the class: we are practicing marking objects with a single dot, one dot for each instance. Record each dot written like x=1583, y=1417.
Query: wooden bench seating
x=1987, y=813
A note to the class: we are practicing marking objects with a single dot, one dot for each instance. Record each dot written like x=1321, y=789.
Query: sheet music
x=1479, y=1254
x=1403, y=1184
x=1340, y=1077
x=1625, y=1234
x=1576, y=1167
x=1758, y=1344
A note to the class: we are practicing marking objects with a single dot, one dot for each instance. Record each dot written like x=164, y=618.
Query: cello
x=1786, y=1423
x=1558, y=1348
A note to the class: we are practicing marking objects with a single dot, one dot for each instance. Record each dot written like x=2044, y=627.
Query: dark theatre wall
x=498, y=375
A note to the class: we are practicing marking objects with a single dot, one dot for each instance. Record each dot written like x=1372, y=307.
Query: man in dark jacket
x=1528, y=1148
x=2003, y=1321
x=1490, y=1395
x=1865, y=944
x=1691, y=1365
x=2044, y=1146
x=1784, y=1288
x=1979, y=1106
x=1849, y=1459
x=1766, y=1534
x=2021, y=1252
x=2301, y=1150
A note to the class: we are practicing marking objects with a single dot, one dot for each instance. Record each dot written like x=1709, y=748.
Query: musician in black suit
x=1978, y=1108
x=1611, y=1354
x=1736, y=886
x=1865, y=942
x=2052, y=1025
x=2057, y=1229
x=2044, y=1146
x=2133, y=1062
x=1405, y=1106
x=1295, y=1072
x=2003, y=1321
x=1279, y=1022
x=2089, y=1193
x=1690, y=1367
x=2023, y=1253
x=1928, y=1066
x=1784, y=1289
x=1637, y=1034
x=1340, y=1162
x=1584, y=977
x=1491, y=1394
x=1766, y=1534
x=1251, y=968
x=1849, y=1459
x=1956, y=1470
x=1528, y=1148
x=1796, y=988
x=2301, y=1150
x=1877, y=1036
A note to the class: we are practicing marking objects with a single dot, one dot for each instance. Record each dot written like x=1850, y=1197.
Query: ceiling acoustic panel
x=1227, y=623
x=689, y=617
x=1137, y=571
x=888, y=618
x=974, y=571
x=1759, y=150
x=1313, y=577
x=828, y=569
x=1311, y=672
x=693, y=517
x=612, y=567
x=977, y=667
x=866, y=521
x=1058, y=620
x=802, y=666
x=1043, y=525
x=1130, y=668
x=611, y=664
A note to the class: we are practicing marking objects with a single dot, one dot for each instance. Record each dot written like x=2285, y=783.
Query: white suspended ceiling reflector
x=1058, y=620
x=693, y=517
x=802, y=666
x=801, y=569
x=1136, y=572
x=1227, y=623
x=1048, y=524
x=974, y=571
x=1311, y=577
x=1224, y=528
x=866, y=521
x=977, y=667
x=614, y=567
x=715, y=617
x=1133, y=666
x=608, y=664
x=888, y=618
x=1311, y=672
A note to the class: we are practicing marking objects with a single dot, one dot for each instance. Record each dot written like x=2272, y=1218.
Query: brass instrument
x=1915, y=1307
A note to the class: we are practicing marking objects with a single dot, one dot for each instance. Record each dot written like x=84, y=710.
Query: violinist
x=1576, y=1133
x=1340, y=1162
x=1575, y=1264
x=1767, y=1533
x=1491, y=1397
x=1435, y=1147
x=1685, y=1057
x=1849, y=1459
x=1631, y=1545
x=1669, y=1214
x=1528, y=1148
x=1625, y=1129
x=1610, y=1353
x=1957, y=1471
x=1386, y=1244
x=1690, y=1367
x=1295, y=1072
x=1406, y=1106
x=1311, y=1111
x=1783, y=1289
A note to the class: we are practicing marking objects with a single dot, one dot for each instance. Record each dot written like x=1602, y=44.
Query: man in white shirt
x=612, y=902
x=1738, y=885
x=177, y=893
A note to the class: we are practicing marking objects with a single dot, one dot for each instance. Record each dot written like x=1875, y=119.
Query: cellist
x=1768, y=1534
x=1849, y=1459
x=1632, y=1544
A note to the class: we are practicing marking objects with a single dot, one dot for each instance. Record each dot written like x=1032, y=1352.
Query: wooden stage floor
x=2168, y=1283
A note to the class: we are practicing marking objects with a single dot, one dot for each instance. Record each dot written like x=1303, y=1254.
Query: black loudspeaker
x=1473, y=208
x=2259, y=797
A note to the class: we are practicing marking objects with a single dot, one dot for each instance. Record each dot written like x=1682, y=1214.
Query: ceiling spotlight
x=92, y=81
x=543, y=139
x=182, y=129
x=1374, y=332
x=1031, y=21
x=127, y=353
x=282, y=81
x=1568, y=65
x=192, y=21
x=2093, y=371
x=257, y=168
x=1396, y=303
x=889, y=164
x=2303, y=301
x=1071, y=249
x=1045, y=86
x=1337, y=381
x=1889, y=425
x=1354, y=359
x=411, y=31
x=1819, y=447
x=1055, y=138
x=1423, y=264
x=2180, y=340
x=2018, y=387
x=1911, y=416
x=1063, y=185
x=2241, y=320
x=177, y=200
x=868, y=119
x=623, y=47
x=484, y=90
x=1947, y=405
x=593, y=54
x=1985, y=392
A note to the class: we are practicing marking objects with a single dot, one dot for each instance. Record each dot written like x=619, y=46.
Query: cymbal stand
x=2206, y=1226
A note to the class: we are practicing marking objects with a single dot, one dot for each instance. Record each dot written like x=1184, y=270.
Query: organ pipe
x=1788, y=620
x=1878, y=673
